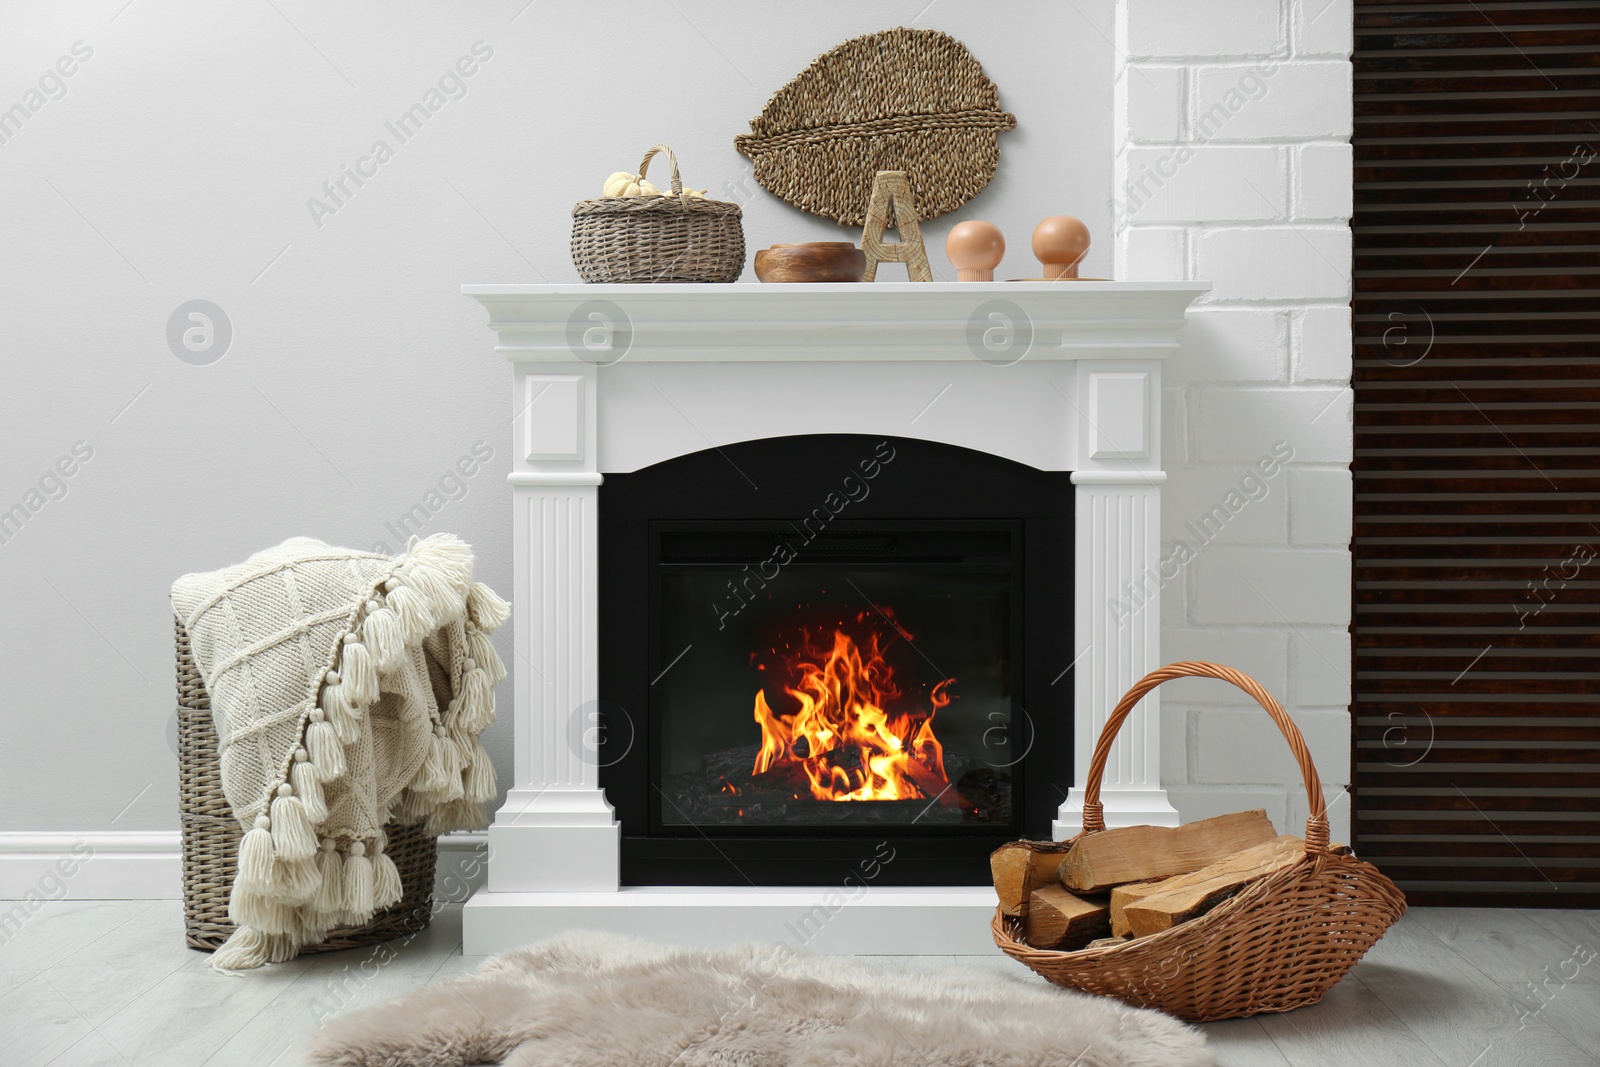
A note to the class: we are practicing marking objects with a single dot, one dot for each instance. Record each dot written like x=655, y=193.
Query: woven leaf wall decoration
x=902, y=99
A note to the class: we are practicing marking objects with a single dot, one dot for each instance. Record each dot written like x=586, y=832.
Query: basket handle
x=672, y=162
x=1093, y=810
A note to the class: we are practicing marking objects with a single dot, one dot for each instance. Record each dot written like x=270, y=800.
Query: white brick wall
x=1245, y=182
x=1182, y=28
x=1290, y=100
x=1234, y=166
x=1282, y=261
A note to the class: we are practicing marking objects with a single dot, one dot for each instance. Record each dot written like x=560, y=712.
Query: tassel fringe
x=308, y=787
x=485, y=607
x=460, y=814
x=322, y=744
x=248, y=907
x=387, y=890
x=443, y=557
x=358, y=886
x=329, y=900
x=481, y=649
x=256, y=856
x=292, y=886
x=416, y=620
x=432, y=778
x=475, y=704
x=293, y=839
x=359, y=672
x=411, y=808
x=480, y=784
x=341, y=714
x=384, y=638
x=296, y=882
x=249, y=948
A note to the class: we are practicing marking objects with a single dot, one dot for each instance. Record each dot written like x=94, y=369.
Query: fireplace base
x=545, y=858
x=871, y=921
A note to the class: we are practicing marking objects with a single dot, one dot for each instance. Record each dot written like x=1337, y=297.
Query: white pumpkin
x=622, y=183
x=698, y=194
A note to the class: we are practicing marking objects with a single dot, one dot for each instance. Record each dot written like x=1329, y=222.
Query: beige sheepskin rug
x=598, y=1000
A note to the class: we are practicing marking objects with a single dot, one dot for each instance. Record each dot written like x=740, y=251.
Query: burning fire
x=845, y=737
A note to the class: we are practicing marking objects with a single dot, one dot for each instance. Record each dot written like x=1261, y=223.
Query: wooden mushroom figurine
x=1060, y=242
x=975, y=249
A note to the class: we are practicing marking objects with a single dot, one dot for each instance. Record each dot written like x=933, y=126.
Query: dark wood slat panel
x=1442, y=130
x=1390, y=381
x=1466, y=814
x=1493, y=667
x=1470, y=107
x=1536, y=553
x=1533, y=149
x=1493, y=847
x=1574, y=531
x=1529, y=643
x=1449, y=778
x=1534, y=895
x=1480, y=83
x=1476, y=314
x=1444, y=830
x=1415, y=14
x=1447, y=710
x=1525, y=871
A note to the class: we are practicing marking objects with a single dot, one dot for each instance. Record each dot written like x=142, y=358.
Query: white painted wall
x=177, y=165
x=1233, y=165
x=176, y=162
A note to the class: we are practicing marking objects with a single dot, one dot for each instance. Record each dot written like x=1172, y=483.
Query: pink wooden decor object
x=1060, y=242
x=975, y=249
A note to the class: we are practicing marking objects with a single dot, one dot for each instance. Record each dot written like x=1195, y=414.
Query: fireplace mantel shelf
x=881, y=321
x=610, y=379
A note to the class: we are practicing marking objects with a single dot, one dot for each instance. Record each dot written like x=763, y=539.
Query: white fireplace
x=610, y=379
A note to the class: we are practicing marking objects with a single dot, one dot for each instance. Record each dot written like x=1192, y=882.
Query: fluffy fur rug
x=596, y=1000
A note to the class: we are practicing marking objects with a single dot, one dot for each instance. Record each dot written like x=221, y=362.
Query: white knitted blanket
x=348, y=690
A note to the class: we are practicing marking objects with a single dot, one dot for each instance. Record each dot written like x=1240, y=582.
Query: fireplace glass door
x=851, y=679
x=821, y=649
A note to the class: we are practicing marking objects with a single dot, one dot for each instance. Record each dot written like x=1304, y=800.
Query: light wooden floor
x=109, y=983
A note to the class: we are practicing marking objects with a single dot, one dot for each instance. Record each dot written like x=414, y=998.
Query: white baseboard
x=882, y=920
x=116, y=865
x=148, y=865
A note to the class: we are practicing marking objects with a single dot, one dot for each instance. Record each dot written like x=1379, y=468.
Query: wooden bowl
x=818, y=261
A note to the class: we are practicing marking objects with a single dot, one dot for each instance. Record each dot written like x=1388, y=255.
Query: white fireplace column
x=615, y=378
x=556, y=831
x=1117, y=606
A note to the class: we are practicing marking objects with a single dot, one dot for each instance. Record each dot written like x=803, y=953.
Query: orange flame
x=844, y=737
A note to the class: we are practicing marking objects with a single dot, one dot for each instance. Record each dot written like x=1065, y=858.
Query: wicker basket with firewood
x=1215, y=919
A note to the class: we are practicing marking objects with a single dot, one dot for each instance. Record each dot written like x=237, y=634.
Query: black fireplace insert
x=819, y=649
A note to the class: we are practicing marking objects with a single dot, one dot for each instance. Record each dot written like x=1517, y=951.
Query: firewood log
x=1021, y=867
x=1124, y=895
x=1188, y=896
x=1108, y=942
x=1058, y=919
x=1098, y=862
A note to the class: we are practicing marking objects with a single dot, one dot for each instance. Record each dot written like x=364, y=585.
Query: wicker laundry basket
x=211, y=838
x=668, y=238
x=1280, y=944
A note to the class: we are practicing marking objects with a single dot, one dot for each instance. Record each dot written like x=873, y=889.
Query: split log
x=1124, y=895
x=1021, y=867
x=1108, y=942
x=1098, y=862
x=1058, y=919
x=1188, y=896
